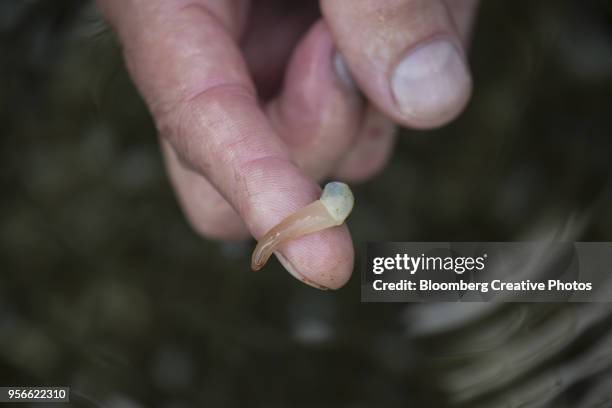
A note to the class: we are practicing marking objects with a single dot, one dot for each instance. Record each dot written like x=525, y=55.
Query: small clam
x=330, y=210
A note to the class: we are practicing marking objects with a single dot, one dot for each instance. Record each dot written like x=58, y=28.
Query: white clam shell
x=338, y=200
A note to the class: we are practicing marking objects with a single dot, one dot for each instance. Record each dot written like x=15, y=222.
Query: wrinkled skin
x=257, y=101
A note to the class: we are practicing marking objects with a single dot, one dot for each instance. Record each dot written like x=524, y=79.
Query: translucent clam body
x=330, y=210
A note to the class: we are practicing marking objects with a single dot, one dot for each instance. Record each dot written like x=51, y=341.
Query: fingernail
x=291, y=269
x=431, y=82
x=342, y=71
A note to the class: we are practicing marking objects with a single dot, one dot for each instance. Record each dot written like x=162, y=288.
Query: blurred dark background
x=105, y=288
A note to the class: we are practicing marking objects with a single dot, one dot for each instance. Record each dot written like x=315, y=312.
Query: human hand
x=240, y=165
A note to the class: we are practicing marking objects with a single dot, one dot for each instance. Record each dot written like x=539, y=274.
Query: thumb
x=406, y=56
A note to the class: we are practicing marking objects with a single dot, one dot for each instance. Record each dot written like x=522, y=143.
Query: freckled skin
x=330, y=210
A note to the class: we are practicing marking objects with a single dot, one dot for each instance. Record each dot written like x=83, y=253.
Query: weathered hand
x=241, y=165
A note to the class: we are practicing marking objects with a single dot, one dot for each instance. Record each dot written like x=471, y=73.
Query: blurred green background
x=104, y=287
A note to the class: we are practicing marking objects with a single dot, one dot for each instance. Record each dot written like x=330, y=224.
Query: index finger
x=184, y=59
